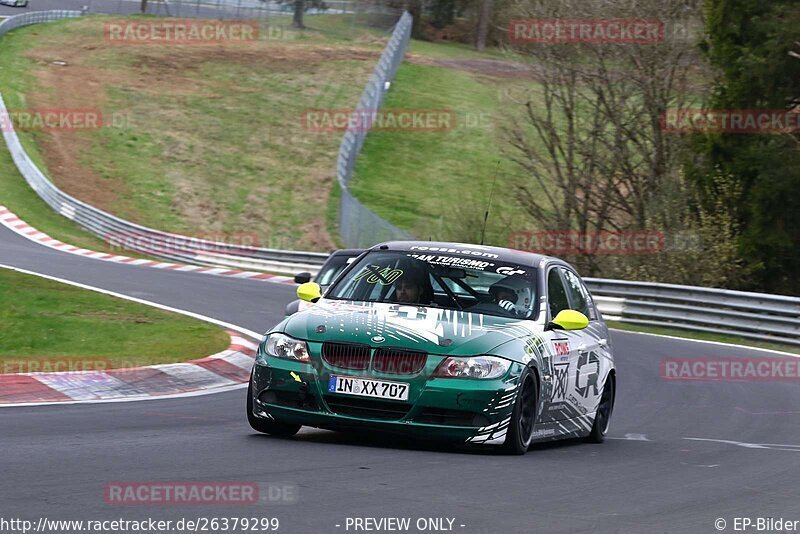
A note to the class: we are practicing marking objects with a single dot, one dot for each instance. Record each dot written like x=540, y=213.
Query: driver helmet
x=522, y=299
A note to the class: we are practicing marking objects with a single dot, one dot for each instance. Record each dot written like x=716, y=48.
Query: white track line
x=720, y=343
x=10, y=220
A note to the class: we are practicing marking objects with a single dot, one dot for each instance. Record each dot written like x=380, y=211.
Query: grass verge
x=41, y=318
x=204, y=140
x=438, y=183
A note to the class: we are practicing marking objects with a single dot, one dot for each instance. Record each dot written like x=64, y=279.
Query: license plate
x=365, y=387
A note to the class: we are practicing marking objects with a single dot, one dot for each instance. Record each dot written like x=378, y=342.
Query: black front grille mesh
x=398, y=361
x=346, y=355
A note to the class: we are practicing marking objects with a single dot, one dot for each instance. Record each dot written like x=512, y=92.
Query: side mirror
x=302, y=278
x=568, y=320
x=309, y=292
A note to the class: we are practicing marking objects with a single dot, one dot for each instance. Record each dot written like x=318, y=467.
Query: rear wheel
x=267, y=426
x=520, y=428
x=604, y=410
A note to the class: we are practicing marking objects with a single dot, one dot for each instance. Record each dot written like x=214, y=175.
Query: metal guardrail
x=130, y=236
x=757, y=316
x=35, y=17
x=240, y=9
x=359, y=226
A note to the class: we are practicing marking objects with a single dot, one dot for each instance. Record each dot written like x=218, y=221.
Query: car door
x=591, y=342
x=563, y=351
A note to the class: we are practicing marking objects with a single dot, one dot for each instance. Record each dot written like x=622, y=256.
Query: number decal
x=375, y=275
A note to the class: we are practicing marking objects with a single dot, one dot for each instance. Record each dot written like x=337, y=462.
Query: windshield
x=332, y=268
x=460, y=282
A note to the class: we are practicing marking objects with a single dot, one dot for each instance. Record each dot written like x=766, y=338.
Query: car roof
x=504, y=254
x=348, y=252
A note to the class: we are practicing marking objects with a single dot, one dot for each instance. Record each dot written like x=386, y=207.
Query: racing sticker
x=561, y=347
x=509, y=271
x=375, y=275
x=589, y=370
x=560, y=381
x=453, y=261
x=468, y=252
x=534, y=347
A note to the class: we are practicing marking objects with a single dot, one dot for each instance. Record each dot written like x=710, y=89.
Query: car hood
x=434, y=330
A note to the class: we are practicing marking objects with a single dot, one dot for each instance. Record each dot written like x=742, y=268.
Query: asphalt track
x=56, y=460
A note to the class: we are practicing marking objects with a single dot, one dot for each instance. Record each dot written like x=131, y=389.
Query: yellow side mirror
x=571, y=320
x=309, y=292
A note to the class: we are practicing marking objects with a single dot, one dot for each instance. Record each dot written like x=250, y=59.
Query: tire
x=523, y=418
x=604, y=411
x=267, y=426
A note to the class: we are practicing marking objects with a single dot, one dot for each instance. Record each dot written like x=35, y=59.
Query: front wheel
x=267, y=426
x=520, y=428
x=602, y=418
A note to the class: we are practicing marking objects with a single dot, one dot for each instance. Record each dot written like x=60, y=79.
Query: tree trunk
x=143, y=6
x=484, y=18
x=415, y=9
x=299, y=9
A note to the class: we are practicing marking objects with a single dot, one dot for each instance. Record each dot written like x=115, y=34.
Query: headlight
x=288, y=348
x=472, y=367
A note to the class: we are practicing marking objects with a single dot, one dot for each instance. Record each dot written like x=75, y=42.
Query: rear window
x=335, y=265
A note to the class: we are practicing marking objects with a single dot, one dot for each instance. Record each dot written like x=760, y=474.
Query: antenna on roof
x=489, y=206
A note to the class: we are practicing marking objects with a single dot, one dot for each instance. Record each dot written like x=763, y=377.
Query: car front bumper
x=442, y=408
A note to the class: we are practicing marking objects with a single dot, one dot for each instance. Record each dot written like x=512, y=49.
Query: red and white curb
x=226, y=370
x=17, y=225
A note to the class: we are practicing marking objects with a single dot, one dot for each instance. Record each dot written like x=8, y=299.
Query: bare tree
x=299, y=10
x=482, y=28
x=589, y=138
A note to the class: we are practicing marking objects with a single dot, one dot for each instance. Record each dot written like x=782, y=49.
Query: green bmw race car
x=449, y=341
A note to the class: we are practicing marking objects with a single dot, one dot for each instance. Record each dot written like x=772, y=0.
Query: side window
x=593, y=315
x=556, y=294
x=577, y=293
